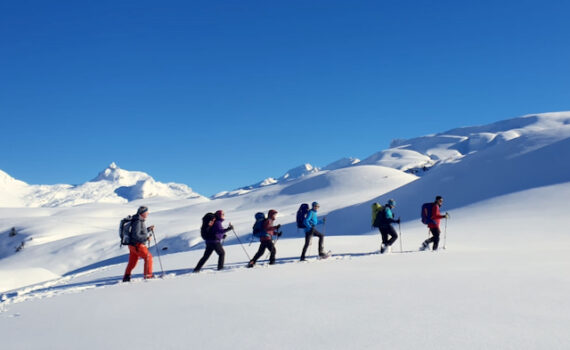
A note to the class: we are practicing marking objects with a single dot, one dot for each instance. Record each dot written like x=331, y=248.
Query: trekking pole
x=239, y=240
x=400, y=229
x=445, y=235
x=158, y=253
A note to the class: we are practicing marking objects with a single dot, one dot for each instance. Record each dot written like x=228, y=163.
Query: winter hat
x=315, y=204
x=219, y=213
x=142, y=209
x=391, y=203
x=271, y=212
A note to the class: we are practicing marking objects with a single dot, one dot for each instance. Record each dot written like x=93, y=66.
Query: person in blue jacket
x=311, y=221
x=386, y=219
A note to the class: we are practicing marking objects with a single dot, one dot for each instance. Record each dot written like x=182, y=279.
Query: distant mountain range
x=112, y=185
x=415, y=156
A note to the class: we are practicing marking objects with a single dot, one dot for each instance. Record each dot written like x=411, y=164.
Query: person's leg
x=145, y=254
x=308, y=237
x=133, y=258
x=393, y=236
x=272, y=250
x=257, y=255
x=321, y=241
x=221, y=254
x=207, y=253
x=435, y=232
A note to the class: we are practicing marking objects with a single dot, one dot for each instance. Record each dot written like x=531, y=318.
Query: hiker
x=433, y=219
x=139, y=234
x=266, y=238
x=214, y=241
x=384, y=221
x=310, y=222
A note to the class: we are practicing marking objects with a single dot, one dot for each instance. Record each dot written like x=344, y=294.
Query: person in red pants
x=139, y=234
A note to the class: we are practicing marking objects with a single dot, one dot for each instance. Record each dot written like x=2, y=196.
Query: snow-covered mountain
x=112, y=185
x=505, y=185
x=292, y=174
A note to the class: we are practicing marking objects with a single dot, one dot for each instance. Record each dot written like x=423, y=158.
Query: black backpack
x=301, y=215
x=206, y=229
x=125, y=230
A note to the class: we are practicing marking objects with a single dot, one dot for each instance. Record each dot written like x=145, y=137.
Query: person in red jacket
x=433, y=224
x=266, y=238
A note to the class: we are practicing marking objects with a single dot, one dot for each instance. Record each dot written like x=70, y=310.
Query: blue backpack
x=258, y=226
x=426, y=213
x=301, y=215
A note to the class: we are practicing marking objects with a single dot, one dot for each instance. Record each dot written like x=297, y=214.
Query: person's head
x=220, y=214
x=142, y=211
x=315, y=206
x=439, y=200
x=272, y=214
x=391, y=203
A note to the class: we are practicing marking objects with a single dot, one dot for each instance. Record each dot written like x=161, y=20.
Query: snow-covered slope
x=500, y=287
x=505, y=185
x=112, y=185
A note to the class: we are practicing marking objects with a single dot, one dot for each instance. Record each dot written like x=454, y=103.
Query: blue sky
x=222, y=94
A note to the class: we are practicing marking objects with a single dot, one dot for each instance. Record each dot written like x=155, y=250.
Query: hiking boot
x=250, y=264
x=424, y=246
x=127, y=278
x=382, y=248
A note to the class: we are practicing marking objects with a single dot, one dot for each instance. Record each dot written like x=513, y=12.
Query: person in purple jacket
x=214, y=242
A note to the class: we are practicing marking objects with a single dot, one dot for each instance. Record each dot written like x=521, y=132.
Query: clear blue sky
x=222, y=94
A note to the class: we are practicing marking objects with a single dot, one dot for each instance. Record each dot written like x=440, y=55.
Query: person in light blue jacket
x=311, y=221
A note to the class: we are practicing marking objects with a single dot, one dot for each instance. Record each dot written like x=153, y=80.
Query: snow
x=501, y=283
x=112, y=185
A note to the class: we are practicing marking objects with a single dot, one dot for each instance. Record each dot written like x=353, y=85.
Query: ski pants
x=210, y=247
x=386, y=231
x=266, y=244
x=137, y=251
x=435, y=238
x=308, y=236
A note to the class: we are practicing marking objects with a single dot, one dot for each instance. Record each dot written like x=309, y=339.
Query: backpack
x=380, y=219
x=258, y=226
x=426, y=213
x=206, y=230
x=125, y=230
x=301, y=215
x=376, y=208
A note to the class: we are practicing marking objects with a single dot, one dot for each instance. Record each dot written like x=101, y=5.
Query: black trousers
x=435, y=238
x=210, y=247
x=265, y=244
x=308, y=236
x=386, y=231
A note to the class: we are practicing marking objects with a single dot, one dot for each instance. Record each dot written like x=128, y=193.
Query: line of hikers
x=135, y=234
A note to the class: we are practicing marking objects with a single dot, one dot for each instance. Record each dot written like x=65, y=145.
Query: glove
x=278, y=227
x=231, y=227
x=446, y=215
x=324, y=219
x=398, y=221
x=225, y=236
x=279, y=234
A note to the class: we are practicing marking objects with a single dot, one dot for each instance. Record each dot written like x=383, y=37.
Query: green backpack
x=376, y=208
